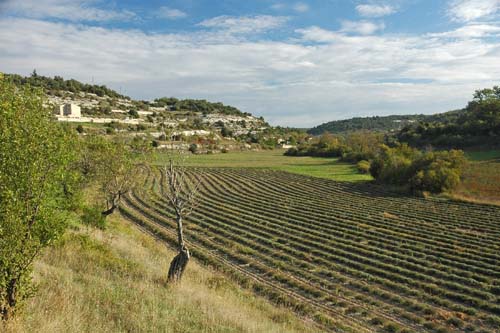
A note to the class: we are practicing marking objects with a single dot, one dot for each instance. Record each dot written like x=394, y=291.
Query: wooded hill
x=381, y=123
x=477, y=125
x=57, y=85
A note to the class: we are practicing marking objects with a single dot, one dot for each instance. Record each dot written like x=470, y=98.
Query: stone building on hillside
x=68, y=110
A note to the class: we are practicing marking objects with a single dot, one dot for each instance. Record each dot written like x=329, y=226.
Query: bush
x=92, y=216
x=193, y=148
x=421, y=171
x=363, y=166
x=133, y=114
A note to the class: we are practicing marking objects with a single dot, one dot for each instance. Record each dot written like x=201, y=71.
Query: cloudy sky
x=297, y=63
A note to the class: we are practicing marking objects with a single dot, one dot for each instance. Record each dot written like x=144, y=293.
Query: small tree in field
x=110, y=164
x=181, y=193
x=35, y=178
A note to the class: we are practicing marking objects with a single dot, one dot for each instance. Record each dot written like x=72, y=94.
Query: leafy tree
x=476, y=125
x=35, y=178
x=109, y=164
x=420, y=171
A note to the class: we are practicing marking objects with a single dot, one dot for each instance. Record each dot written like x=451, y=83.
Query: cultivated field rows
x=350, y=256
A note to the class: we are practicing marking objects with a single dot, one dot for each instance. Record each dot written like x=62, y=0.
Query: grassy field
x=481, y=179
x=353, y=257
x=329, y=168
x=114, y=281
x=487, y=155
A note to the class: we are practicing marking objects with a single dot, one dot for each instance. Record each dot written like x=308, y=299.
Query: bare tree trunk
x=180, y=261
x=114, y=205
x=109, y=211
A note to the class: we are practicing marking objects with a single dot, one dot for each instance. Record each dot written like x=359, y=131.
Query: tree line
x=477, y=125
x=389, y=161
x=197, y=105
x=57, y=83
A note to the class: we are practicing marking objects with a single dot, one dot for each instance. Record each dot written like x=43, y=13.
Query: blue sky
x=297, y=63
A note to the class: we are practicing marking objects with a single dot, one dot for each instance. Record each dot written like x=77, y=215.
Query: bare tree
x=182, y=194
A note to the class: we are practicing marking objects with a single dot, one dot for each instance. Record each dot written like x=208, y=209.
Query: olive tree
x=181, y=191
x=110, y=165
x=35, y=169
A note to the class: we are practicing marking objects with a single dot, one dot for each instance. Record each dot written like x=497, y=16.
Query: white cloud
x=469, y=10
x=300, y=7
x=245, y=24
x=71, y=10
x=471, y=31
x=170, y=13
x=319, y=35
x=371, y=10
x=299, y=83
x=361, y=27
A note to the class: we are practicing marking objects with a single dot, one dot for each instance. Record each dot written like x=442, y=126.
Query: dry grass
x=114, y=281
x=481, y=183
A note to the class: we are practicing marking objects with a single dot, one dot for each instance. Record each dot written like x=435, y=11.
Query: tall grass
x=114, y=281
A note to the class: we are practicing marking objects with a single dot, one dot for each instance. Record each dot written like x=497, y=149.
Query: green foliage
x=421, y=171
x=363, y=167
x=377, y=123
x=477, y=125
x=225, y=132
x=193, y=148
x=110, y=165
x=92, y=216
x=353, y=147
x=36, y=187
x=133, y=114
x=53, y=85
x=199, y=105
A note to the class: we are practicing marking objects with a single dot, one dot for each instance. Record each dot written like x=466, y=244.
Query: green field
x=329, y=168
x=483, y=155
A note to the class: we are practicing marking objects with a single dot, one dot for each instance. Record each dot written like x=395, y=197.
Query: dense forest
x=381, y=123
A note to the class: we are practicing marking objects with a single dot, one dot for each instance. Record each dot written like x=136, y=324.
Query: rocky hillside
x=168, y=122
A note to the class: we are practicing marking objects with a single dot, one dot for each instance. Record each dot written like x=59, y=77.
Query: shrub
x=363, y=166
x=193, y=148
x=430, y=171
x=92, y=216
x=133, y=114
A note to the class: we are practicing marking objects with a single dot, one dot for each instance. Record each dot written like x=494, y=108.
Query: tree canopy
x=35, y=187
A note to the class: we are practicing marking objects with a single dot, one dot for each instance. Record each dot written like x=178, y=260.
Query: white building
x=68, y=110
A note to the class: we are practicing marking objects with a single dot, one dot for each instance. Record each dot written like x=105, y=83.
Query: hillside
x=478, y=125
x=166, y=121
x=114, y=281
x=381, y=123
